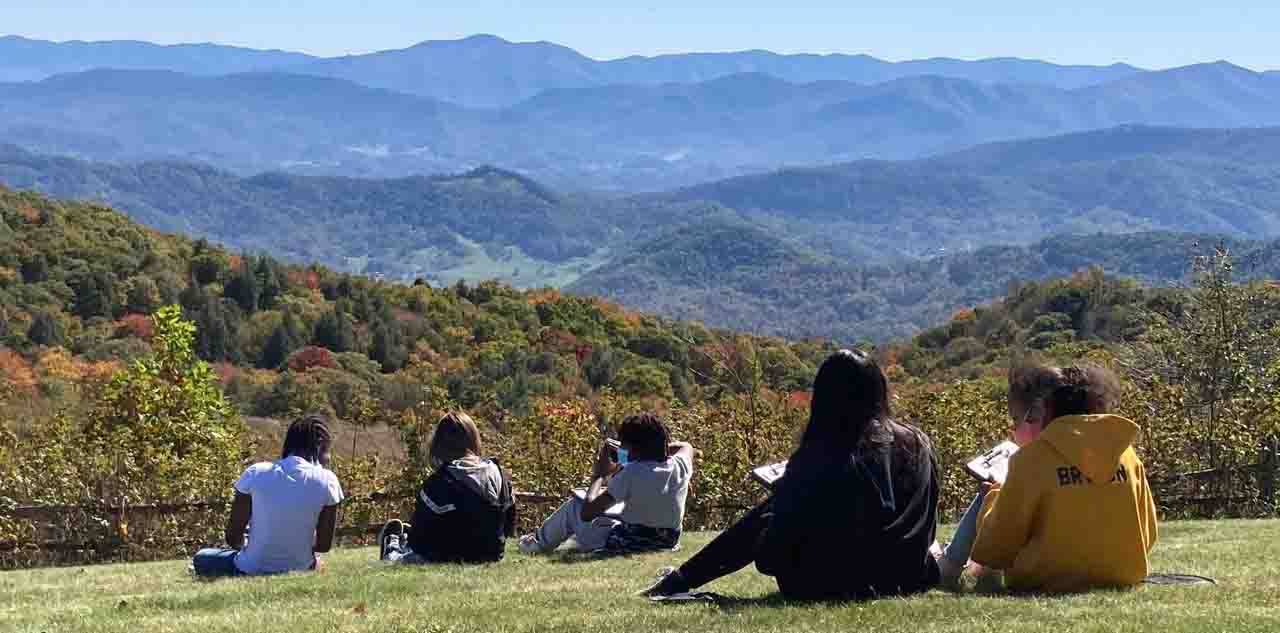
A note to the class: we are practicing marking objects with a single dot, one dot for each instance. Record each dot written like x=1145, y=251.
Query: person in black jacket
x=855, y=513
x=464, y=510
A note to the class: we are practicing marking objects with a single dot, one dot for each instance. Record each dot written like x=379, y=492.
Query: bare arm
x=238, y=522
x=598, y=498
x=326, y=527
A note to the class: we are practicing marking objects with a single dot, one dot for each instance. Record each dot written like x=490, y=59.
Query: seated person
x=464, y=510
x=635, y=504
x=1028, y=387
x=1075, y=511
x=290, y=508
x=855, y=513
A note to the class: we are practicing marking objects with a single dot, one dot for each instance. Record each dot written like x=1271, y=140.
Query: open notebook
x=992, y=466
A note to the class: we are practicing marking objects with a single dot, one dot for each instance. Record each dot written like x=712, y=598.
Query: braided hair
x=308, y=437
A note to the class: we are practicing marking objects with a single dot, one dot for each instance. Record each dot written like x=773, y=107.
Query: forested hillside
x=77, y=281
x=738, y=275
x=871, y=250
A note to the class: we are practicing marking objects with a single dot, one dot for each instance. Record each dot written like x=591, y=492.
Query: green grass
x=355, y=594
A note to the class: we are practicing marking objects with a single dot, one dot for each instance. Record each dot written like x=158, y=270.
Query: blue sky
x=1151, y=33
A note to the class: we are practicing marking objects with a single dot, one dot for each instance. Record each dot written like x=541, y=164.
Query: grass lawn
x=355, y=593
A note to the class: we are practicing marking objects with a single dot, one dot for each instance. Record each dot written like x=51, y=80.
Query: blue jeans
x=961, y=545
x=213, y=562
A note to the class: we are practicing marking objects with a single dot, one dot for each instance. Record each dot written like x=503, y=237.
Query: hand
x=604, y=465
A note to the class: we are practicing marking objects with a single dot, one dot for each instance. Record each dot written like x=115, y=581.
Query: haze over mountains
x=543, y=110
x=25, y=59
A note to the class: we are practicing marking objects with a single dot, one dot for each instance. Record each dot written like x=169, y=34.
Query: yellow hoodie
x=1075, y=511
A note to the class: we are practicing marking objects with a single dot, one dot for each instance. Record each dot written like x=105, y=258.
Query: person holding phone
x=291, y=504
x=636, y=500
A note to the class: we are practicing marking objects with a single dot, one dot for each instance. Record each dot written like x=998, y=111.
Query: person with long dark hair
x=855, y=513
x=464, y=510
x=291, y=504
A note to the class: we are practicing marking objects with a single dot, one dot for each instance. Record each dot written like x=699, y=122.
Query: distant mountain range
x=487, y=71
x=490, y=72
x=23, y=59
x=1121, y=179
x=625, y=137
x=868, y=249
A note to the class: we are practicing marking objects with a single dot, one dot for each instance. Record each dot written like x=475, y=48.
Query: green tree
x=162, y=426
x=271, y=283
x=1206, y=368
x=207, y=268
x=284, y=340
x=335, y=332
x=45, y=329
x=243, y=288
x=143, y=295
x=94, y=295
x=387, y=347
x=216, y=328
x=35, y=269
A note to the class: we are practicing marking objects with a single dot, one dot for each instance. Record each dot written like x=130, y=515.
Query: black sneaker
x=669, y=583
x=389, y=537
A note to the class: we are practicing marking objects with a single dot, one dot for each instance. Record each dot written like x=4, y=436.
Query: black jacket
x=855, y=526
x=455, y=522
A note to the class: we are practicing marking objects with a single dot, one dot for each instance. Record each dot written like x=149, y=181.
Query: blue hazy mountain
x=23, y=59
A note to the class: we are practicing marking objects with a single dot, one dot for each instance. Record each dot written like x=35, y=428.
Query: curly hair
x=647, y=434
x=1029, y=384
x=1085, y=389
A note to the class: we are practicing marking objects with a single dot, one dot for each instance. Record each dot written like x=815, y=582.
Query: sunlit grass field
x=356, y=593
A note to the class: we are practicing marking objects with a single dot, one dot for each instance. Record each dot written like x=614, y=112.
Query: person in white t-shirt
x=635, y=502
x=289, y=508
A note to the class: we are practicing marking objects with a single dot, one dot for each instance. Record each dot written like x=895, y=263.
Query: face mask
x=622, y=457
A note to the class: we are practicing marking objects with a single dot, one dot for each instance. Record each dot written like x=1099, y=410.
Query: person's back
x=287, y=498
x=1075, y=511
x=464, y=512
x=857, y=526
x=653, y=494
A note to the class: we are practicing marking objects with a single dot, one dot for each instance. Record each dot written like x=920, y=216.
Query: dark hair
x=850, y=394
x=1084, y=389
x=455, y=436
x=1031, y=383
x=647, y=434
x=308, y=437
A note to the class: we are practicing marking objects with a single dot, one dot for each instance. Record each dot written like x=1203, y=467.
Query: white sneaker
x=529, y=544
x=389, y=538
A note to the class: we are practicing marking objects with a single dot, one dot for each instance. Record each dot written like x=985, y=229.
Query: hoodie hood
x=1092, y=443
x=479, y=474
